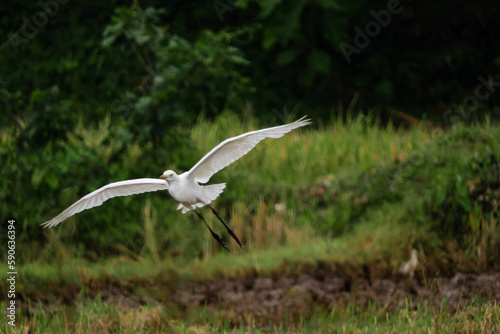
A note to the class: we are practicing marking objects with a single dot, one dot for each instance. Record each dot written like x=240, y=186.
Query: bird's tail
x=214, y=190
x=211, y=191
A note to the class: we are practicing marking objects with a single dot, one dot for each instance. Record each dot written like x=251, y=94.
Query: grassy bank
x=440, y=186
x=354, y=194
x=99, y=317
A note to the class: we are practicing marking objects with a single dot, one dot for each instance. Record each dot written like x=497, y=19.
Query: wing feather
x=234, y=148
x=96, y=198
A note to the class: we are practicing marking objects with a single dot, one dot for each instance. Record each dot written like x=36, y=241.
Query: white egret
x=185, y=188
x=408, y=268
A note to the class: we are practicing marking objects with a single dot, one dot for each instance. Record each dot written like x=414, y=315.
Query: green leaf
x=286, y=57
x=384, y=89
x=269, y=39
x=440, y=197
x=238, y=59
x=37, y=177
x=465, y=203
x=143, y=104
x=319, y=61
x=52, y=181
x=292, y=25
x=268, y=6
x=107, y=41
x=333, y=4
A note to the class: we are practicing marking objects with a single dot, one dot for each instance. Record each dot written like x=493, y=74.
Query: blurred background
x=403, y=152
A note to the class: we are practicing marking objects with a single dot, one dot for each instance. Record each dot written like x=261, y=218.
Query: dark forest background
x=178, y=59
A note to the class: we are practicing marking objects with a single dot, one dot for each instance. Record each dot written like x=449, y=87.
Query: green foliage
x=132, y=68
x=143, y=62
x=184, y=79
x=105, y=92
x=416, y=58
x=327, y=182
x=447, y=184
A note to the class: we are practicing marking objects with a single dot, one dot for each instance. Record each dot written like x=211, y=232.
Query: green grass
x=324, y=181
x=368, y=243
x=99, y=317
x=353, y=192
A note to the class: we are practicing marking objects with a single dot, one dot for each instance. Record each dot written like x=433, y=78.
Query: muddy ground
x=268, y=298
x=282, y=295
x=294, y=294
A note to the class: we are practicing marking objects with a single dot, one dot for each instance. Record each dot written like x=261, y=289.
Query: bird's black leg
x=227, y=227
x=216, y=236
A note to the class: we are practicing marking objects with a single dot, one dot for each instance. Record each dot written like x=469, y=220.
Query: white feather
x=234, y=148
x=96, y=198
x=184, y=188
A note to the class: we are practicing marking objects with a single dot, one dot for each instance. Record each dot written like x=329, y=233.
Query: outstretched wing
x=96, y=198
x=234, y=148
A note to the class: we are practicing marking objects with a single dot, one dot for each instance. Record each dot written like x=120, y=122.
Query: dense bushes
x=178, y=59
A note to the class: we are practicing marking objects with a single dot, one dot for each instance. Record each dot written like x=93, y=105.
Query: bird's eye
x=169, y=176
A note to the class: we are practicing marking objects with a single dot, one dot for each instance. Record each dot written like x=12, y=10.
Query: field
x=327, y=215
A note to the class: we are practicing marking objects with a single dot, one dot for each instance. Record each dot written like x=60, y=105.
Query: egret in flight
x=185, y=188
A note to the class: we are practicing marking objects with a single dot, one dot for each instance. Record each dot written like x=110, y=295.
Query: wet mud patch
x=274, y=298
x=282, y=296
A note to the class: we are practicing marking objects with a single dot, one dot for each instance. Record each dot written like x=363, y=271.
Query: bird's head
x=168, y=175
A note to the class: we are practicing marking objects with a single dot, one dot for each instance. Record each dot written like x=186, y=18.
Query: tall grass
x=100, y=317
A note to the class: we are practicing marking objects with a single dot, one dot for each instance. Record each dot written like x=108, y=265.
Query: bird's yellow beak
x=163, y=177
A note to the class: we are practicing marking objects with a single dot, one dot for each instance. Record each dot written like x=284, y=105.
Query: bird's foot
x=219, y=239
x=226, y=226
x=234, y=236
